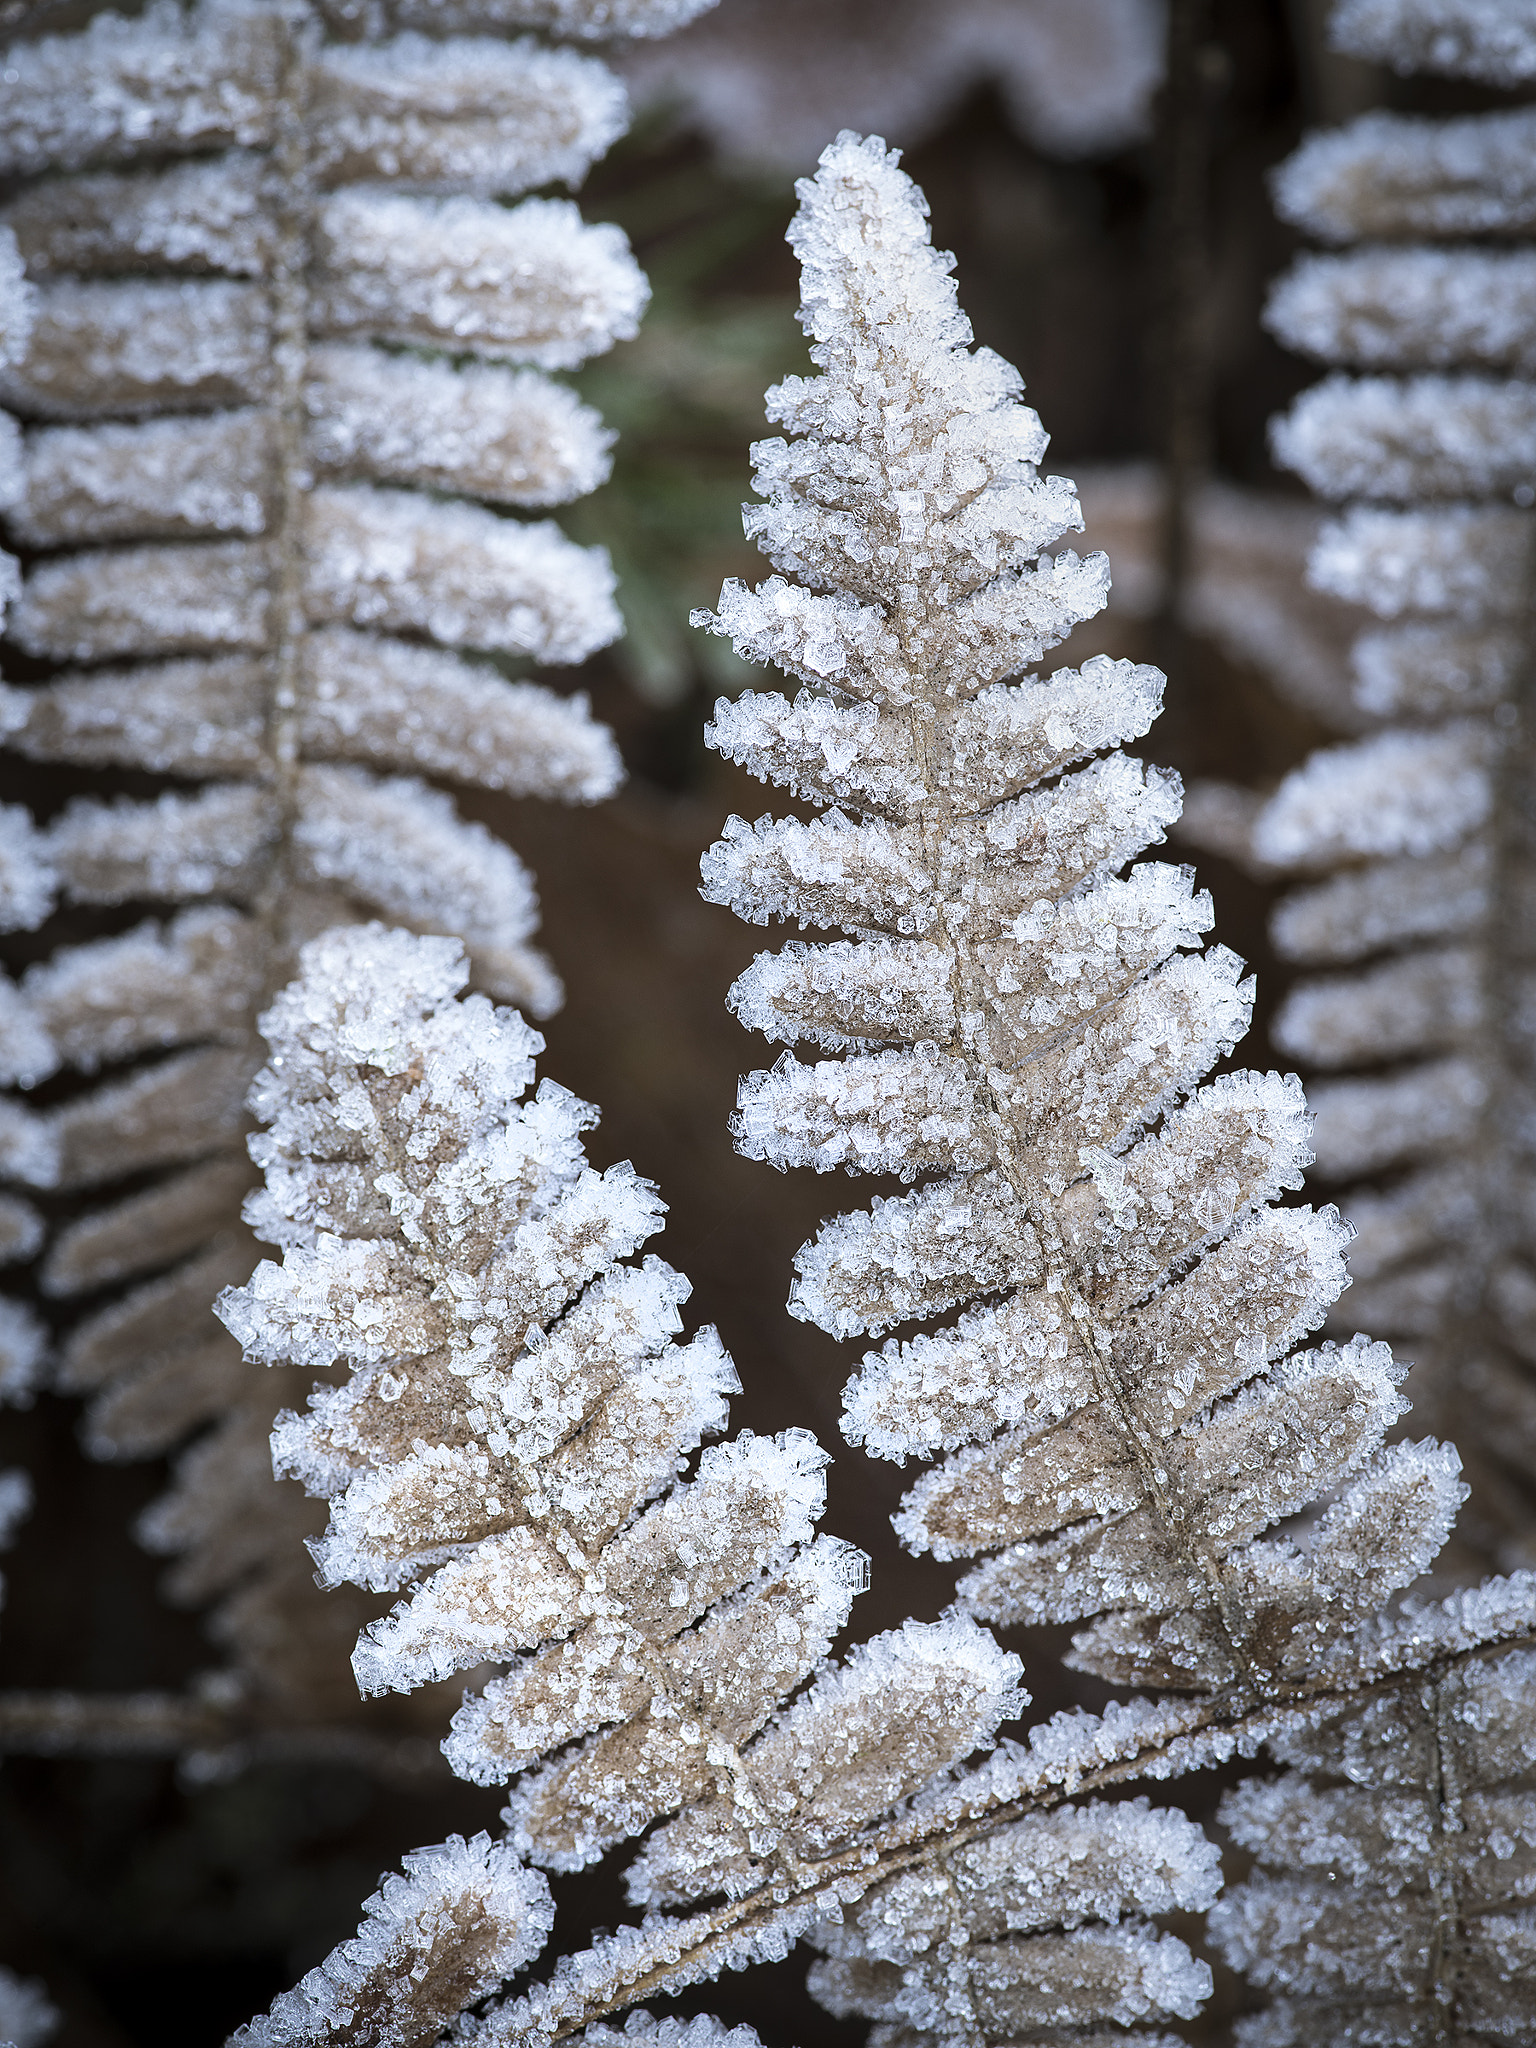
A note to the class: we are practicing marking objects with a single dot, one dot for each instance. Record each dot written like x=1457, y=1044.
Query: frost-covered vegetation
x=1126, y=1417
x=284, y=343
x=1412, y=842
x=286, y=386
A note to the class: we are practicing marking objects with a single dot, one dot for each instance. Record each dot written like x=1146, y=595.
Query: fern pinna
x=1414, y=842
x=287, y=382
x=1120, y=1409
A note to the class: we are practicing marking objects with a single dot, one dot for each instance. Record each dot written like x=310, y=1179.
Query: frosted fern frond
x=289, y=434
x=1412, y=922
x=1121, y=1413
x=1396, y=1859
x=1022, y=1930
x=515, y=1442
x=517, y=1413
x=992, y=1852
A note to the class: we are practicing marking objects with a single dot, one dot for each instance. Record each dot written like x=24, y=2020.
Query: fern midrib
x=1445, y=1892
x=968, y=991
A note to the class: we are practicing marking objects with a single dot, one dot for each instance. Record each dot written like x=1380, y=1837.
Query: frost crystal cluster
x=1022, y=1023
x=1413, y=843
x=515, y=1444
x=287, y=409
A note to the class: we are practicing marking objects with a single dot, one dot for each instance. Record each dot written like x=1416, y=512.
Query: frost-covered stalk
x=1416, y=841
x=286, y=390
x=1120, y=1405
x=509, y=1445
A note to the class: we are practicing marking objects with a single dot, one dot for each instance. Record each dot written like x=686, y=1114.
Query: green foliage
x=685, y=397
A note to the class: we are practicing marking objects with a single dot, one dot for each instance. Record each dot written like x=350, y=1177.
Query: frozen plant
x=1013, y=1014
x=1022, y=1020
x=1412, y=843
x=1120, y=1361
x=288, y=406
x=518, y=1444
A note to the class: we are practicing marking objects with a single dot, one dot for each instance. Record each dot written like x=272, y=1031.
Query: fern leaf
x=520, y=1443
x=517, y=1414
x=1394, y=1860
x=1409, y=927
x=286, y=406
x=1122, y=1415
